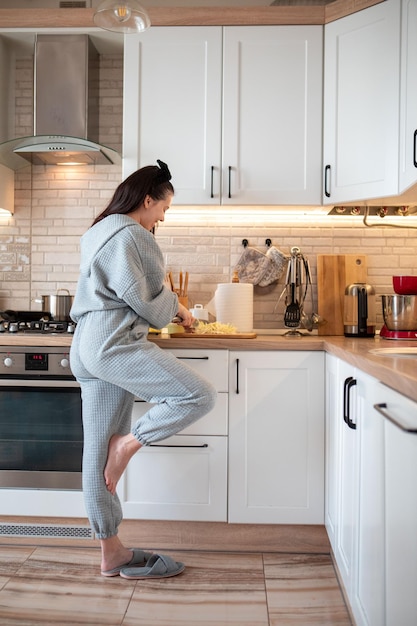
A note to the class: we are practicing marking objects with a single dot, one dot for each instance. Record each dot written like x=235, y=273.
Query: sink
x=394, y=351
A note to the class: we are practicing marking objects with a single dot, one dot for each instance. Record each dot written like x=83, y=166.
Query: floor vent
x=46, y=531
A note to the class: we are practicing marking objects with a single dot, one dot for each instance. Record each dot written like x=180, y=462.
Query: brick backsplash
x=39, y=245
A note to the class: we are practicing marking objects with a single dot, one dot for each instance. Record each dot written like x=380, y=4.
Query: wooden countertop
x=399, y=373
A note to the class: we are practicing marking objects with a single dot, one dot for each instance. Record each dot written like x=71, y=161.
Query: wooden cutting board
x=214, y=336
x=334, y=273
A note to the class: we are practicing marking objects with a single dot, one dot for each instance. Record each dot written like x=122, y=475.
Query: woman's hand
x=185, y=315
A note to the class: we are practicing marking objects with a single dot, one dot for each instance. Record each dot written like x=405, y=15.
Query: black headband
x=163, y=175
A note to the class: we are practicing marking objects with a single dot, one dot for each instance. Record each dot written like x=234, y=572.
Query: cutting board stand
x=334, y=273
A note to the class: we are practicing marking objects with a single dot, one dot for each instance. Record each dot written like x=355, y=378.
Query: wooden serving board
x=215, y=336
x=334, y=273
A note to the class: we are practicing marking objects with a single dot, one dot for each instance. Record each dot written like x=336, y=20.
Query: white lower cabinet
x=258, y=456
x=371, y=506
x=181, y=478
x=276, y=437
x=354, y=488
x=184, y=477
x=400, y=425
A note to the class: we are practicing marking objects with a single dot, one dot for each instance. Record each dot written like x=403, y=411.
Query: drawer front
x=213, y=423
x=181, y=478
x=213, y=365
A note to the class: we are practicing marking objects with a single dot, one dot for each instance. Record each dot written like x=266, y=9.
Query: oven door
x=41, y=437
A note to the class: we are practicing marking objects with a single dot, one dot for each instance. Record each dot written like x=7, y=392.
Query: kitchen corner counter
x=399, y=373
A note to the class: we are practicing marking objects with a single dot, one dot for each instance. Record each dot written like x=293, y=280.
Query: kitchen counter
x=399, y=373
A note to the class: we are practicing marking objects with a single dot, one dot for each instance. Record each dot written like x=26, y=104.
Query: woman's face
x=152, y=211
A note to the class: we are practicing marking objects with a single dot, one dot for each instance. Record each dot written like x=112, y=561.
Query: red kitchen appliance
x=385, y=333
x=400, y=317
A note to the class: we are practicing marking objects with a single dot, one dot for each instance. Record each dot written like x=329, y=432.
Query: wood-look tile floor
x=49, y=586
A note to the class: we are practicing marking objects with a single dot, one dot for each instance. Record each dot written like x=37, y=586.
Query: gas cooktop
x=37, y=327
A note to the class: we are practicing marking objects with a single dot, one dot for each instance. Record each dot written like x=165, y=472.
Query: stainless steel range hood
x=66, y=107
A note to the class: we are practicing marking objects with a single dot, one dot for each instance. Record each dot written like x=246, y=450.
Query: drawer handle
x=167, y=445
x=381, y=409
x=193, y=358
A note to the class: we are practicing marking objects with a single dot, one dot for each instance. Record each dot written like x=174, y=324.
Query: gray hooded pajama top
x=120, y=294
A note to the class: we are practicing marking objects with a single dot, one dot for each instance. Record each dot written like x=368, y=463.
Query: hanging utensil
x=292, y=312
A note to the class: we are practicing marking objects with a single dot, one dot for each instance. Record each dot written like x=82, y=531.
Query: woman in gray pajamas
x=120, y=293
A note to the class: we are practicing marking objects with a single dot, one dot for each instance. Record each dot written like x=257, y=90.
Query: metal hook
x=268, y=243
x=245, y=243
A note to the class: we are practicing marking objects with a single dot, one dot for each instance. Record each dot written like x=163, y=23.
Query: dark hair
x=150, y=180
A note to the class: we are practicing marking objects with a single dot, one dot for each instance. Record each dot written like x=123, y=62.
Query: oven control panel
x=44, y=362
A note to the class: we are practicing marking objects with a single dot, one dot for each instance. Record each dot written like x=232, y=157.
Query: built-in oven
x=41, y=437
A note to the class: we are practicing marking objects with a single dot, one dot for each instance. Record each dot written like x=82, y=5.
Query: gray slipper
x=140, y=557
x=158, y=566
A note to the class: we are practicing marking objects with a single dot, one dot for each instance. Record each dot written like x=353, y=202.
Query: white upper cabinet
x=408, y=113
x=172, y=106
x=235, y=111
x=272, y=112
x=361, y=104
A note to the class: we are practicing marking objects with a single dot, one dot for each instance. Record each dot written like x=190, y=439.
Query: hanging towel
x=252, y=266
x=276, y=268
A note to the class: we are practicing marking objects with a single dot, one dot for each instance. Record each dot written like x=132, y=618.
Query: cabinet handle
x=326, y=189
x=211, y=183
x=230, y=182
x=161, y=445
x=415, y=148
x=237, y=376
x=193, y=358
x=380, y=408
x=349, y=383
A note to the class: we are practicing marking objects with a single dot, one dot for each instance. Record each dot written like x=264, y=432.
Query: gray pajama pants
x=110, y=379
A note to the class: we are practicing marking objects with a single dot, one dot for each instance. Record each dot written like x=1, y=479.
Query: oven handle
x=24, y=381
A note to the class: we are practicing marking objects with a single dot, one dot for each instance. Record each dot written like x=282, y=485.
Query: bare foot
x=113, y=553
x=121, y=450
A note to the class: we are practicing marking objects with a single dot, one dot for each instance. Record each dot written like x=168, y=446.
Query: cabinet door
x=333, y=413
x=348, y=475
x=172, y=107
x=368, y=589
x=276, y=437
x=400, y=507
x=361, y=104
x=180, y=478
x=408, y=116
x=272, y=137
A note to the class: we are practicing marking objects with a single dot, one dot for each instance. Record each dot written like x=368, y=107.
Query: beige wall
x=39, y=246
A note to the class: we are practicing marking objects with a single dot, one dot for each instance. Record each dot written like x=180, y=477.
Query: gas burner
x=37, y=327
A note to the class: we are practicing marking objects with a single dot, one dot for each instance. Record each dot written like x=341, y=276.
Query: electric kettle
x=359, y=318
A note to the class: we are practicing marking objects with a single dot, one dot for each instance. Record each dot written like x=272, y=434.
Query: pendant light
x=122, y=16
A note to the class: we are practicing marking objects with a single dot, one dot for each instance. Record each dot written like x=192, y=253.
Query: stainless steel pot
x=400, y=312
x=58, y=305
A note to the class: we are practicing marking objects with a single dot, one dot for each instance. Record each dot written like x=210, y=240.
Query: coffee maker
x=359, y=319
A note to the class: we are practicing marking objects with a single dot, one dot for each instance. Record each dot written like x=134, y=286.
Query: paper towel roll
x=234, y=305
